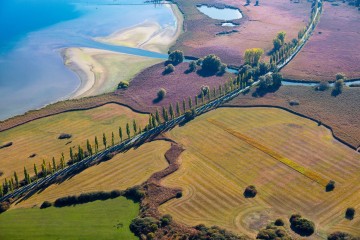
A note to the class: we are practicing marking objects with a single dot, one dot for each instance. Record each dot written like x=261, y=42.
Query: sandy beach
x=148, y=35
x=100, y=71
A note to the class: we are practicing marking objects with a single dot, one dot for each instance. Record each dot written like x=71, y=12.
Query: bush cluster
x=301, y=226
x=214, y=232
x=123, y=85
x=86, y=197
x=176, y=57
x=142, y=227
x=273, y=232
x=350, y=213
x=250, y=191
x=341, y=236
x=330, y=186
x=134, y=193
x=169, y=69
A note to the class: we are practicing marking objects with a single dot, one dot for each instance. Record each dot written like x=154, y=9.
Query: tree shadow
x=335, y=93
x=157, y=100
x=203, y=73
x=261, y=92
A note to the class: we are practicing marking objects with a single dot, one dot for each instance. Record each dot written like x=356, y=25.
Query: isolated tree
x=112, y=139
x=104, y=140
x=120, y=134
x=338, y=86
x=211, y=64
x=350, y=213
x=169, y=69
x=253, y=55
x=128, y=130
x=96, y=145
x=161, y=93
x=176, y=57
x=192, y=66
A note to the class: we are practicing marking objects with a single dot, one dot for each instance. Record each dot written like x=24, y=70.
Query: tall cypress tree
x=96, y=145
x=35, y=171
x=88, y=147
x=43, y=168
x=112, y=139
x=153, y=120
x=128, y=130
x=134, y=127
x=16, y=179
x=54, y=165
x=104, y=140
x=184, y=105
x=120, y=134
x=49, y=167
x=178, y=112
x=190, y=103
x=196, y=101
x=171, y=111
x=157, y=116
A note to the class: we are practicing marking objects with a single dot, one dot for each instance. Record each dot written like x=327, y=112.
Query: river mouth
x=226, y=13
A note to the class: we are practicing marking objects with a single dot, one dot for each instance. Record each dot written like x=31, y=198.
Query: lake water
x=228, y=24
x=33, y=32
x=220, y=14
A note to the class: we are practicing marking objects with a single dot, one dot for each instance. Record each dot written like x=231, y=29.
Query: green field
x=108, y=219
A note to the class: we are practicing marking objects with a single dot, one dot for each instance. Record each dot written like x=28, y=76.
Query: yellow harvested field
x=288, y=158
x=121, y=172
x=40, y=137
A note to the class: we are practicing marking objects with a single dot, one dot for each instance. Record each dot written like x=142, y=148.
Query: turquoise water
x=33, y=32
x=220, y=14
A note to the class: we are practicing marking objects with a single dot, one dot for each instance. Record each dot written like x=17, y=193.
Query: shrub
x=65, y=136
x=123, y=85
x=45, y=204
x=301, y=226
x=211, y=64
x=350, y=213
x=169, y=69
x=322, y=86
x=134, y=193
x=161, y=93
x=250, y=191
x=222, y=69
x=6, y=145
x=176, y=57
x=215, y=233
x=330, y=186
x=338, y=86
x=279, y=222
x=179, y=195
x=144, y=225
x=4, y=206
x=205, y=90
x=294, y=102
x=190, y=114
x=340, y=236
x=166, y=220
x=272, y=232
x=192, y=66
x=340, y=76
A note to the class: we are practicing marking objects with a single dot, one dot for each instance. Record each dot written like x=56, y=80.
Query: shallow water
x=32, y=73
x=220, y=14
x=228, y=24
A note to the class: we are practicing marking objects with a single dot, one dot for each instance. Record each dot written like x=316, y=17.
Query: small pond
x=228, y=24
x=220, y=14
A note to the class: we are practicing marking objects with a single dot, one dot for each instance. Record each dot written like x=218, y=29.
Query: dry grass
x=280, y=153
x=121, y=172
x=41, y=136
x=333, y=47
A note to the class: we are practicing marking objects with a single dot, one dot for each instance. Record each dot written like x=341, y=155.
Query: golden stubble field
x=288, y=158
x=40, y=137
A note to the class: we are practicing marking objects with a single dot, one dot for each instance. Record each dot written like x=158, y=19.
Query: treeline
x=134, y=193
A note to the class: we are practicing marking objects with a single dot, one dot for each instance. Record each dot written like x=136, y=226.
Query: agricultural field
x=331, y=48
x=123, y=171
x=38, y=140
x=256, y=29
x=288, y=158
x=108, y=219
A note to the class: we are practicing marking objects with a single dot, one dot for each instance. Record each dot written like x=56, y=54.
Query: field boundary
x=299, y=115
x=286, y=161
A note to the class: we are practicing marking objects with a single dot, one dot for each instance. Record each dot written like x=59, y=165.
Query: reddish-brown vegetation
x=331, y=49
x=178, y=85
x=341, y=113
x=257, y=28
